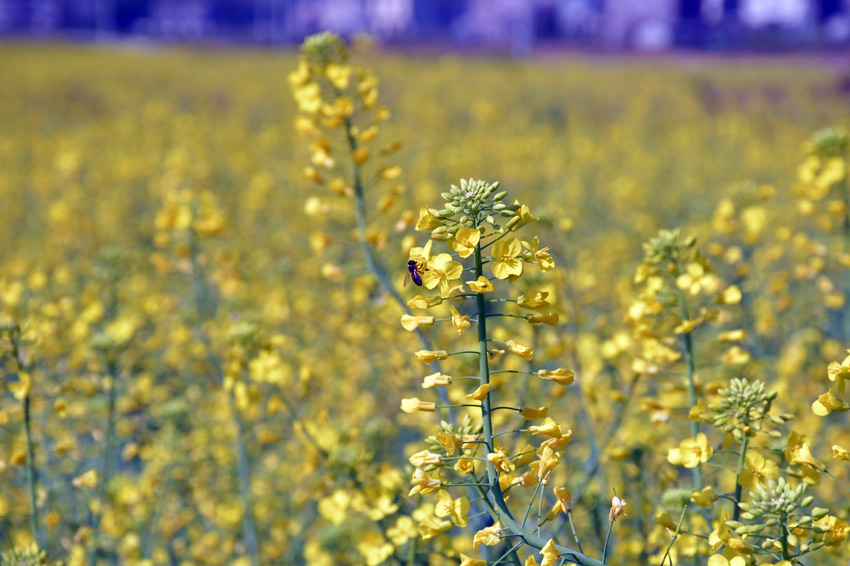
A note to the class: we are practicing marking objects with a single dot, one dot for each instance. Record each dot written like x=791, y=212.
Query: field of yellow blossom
x=622, y=338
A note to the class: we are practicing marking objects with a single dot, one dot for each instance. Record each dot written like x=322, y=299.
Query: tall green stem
x=105, y=471
x=738, y=487
x=243, y=466
x=499, y=504
x=692, y=390
x=371, y=262
x=243, y=469
x=31, y=475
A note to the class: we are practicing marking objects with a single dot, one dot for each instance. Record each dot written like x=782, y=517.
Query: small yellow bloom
x=547, y=460
x=308, y=96
x=467, y=561
x=704, y=497
x=757, y=470
x=560, y=376
x=840, y=453
x=549, y=553
x=502, y=461
x=439, y=271
x=506, y=263
x=465, y=241
x=541, y=257
x=798, y=451
x=433, y=528
x=428, y=220
x=618, y=508
x=481, y=393
x=837, y=529
x=21, y=388
x=455, y=509
x=338, y=75
x=558, y=442
x=389, y=173
x=524, y=214
x=488, y=536
x=549, y=428
x=731, y=295
x=88, y=479
x=425, y=458
x=420, y=302
x=691, y=452
x=839, y=373
x=523, y=352
x=530, y=413
x=534, y=301
x=564, y=504
x=424, y=483
x=551, y=319
x=829, y=402
x=429, y=356
x=460, y=322
x=735, y=356
x=732, y=336
x=410, y=322
x=481, y=285
x=413, y=405
x=360, y=155
x=436, y=379
x=721, y=560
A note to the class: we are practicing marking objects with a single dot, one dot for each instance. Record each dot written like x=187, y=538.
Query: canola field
x=622, y=339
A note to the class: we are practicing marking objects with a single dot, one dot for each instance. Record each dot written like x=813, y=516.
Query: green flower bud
x=501, y=194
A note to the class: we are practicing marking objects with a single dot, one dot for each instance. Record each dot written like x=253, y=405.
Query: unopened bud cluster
x=742, y=408
x=829, y=143
x=668, y=248
x=323, y=49
x=776, y=499
x=30, y=556
x=473, y=203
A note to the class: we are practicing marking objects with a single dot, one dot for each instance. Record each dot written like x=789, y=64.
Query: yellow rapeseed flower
x=413, y=405
x=465, y=241
x=506, y=263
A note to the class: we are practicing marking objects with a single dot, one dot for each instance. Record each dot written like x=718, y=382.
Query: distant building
x=516, y=25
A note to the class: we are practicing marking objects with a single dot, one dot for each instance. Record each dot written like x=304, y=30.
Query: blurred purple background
x=516, y=26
